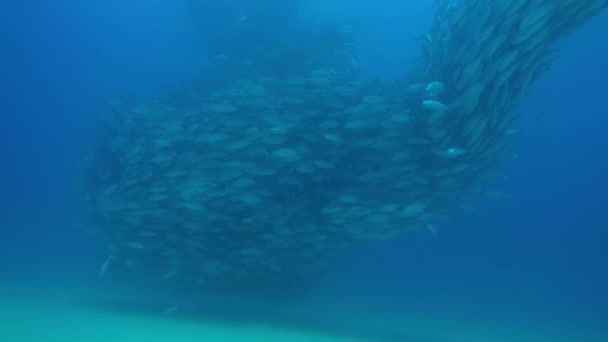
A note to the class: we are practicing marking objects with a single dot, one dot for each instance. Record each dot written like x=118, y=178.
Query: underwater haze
x=186, y=170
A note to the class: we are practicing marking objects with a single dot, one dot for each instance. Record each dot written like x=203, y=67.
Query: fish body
x=454, y=152
x=104, y=266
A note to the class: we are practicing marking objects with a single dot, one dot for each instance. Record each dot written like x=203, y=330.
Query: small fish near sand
x=105, y=265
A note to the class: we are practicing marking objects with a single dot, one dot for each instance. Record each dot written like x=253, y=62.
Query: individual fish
x=413, y=209
x=135, y=245
x=357, y=124
x=335, y=138
x=451, y=152
x=285, y=153
x=434, y=89
x=435, y=106
x=171, y=310
x=105, y=265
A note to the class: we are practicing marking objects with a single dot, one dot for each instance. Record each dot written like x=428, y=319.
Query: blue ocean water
x=535, y=260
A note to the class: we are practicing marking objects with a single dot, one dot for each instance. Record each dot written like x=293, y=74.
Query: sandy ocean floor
x=50, y=322
x=52, y=317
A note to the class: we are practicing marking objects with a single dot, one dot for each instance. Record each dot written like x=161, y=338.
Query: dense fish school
x=258, y=176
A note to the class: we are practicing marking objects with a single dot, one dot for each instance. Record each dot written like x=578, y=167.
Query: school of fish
x=260, y=175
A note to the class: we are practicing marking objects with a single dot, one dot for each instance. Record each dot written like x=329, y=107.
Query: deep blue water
x=537, y=257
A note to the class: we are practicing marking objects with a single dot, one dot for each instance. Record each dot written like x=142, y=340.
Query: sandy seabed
x=50, y=322
x=36, y=317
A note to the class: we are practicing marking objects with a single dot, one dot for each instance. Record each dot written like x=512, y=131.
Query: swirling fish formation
x=260, y=178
